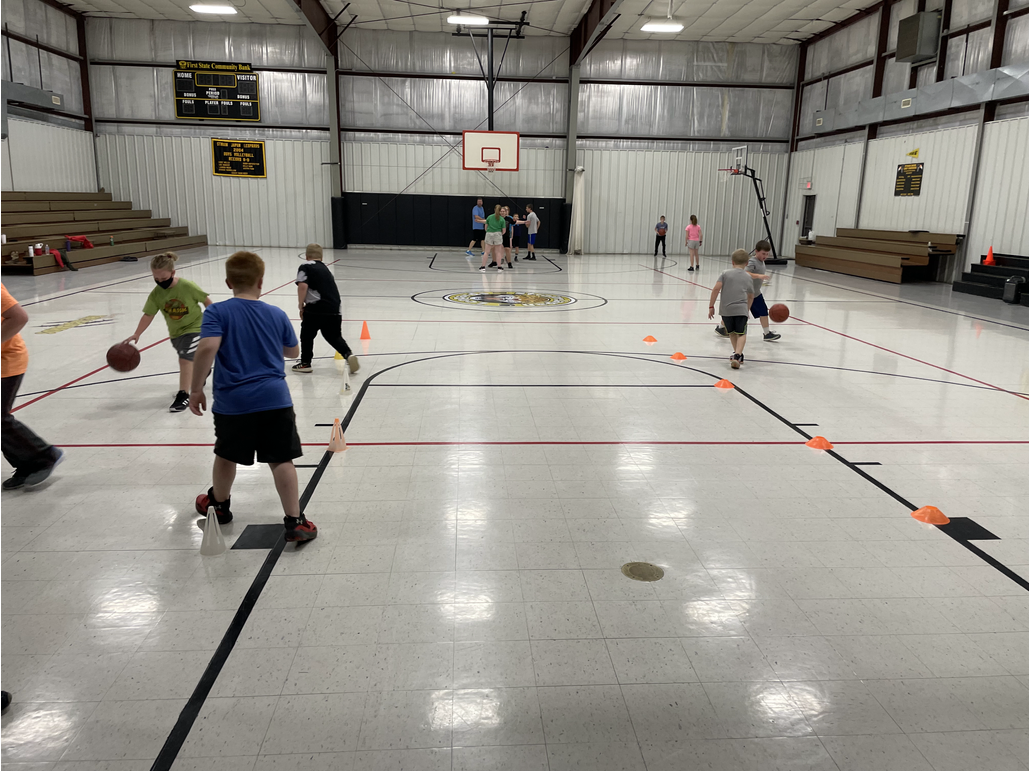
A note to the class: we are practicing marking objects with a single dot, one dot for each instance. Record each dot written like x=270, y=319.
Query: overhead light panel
x=220, y=10
x=662, y=25
x=668, y=25
x=468, y=21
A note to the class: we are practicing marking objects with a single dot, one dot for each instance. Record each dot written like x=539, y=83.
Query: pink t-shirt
x=694, y=232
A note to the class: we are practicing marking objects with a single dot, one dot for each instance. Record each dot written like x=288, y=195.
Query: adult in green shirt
x=182, y=303
x=496, y=226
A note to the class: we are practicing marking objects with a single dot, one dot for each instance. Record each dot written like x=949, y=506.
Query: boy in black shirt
x=319, y=302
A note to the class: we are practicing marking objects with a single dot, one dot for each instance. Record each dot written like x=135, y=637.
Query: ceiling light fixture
x=469, y=21
x=667, y=25
x=221, y=10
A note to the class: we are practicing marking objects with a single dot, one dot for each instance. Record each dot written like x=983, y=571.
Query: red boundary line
x=556, y=442
x=105, y=367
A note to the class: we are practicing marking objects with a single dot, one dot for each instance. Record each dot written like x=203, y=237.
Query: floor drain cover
x=643, y=572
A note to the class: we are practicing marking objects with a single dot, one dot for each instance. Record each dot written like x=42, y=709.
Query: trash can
x=1014, y=286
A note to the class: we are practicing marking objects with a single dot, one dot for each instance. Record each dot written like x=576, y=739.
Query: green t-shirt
x=495, y=223
x=182, y=305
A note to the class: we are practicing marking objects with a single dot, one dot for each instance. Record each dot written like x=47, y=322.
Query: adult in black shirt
x=319, y=302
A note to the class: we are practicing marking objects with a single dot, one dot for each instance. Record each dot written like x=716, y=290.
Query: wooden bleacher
x=894, y=256
x=29, y=218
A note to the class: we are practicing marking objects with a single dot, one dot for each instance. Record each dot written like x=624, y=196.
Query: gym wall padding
x=435, y=221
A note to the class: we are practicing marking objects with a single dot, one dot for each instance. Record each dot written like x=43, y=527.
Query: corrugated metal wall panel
x=8, y=180
x=1000, y=218
x=941, y=206
x=44, y=157
x=626, y=192
x=385, y=167
x=172, y=176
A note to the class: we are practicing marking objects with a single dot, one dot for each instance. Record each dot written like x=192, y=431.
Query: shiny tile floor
x=463, y=606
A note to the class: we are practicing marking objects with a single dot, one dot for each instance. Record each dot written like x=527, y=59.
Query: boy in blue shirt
x=246, y=340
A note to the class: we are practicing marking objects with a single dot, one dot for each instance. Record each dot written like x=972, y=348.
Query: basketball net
x=490, y=166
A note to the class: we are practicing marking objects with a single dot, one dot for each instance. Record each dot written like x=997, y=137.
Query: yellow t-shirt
x=13, y=353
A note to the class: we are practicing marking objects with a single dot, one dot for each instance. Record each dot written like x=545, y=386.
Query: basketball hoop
x=490, y=166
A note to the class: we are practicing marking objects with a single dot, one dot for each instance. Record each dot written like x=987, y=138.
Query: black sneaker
x=510, y=266
x=690, y=269
x=735, y=361
x=14, y=482
x=300, y=367
x=207, y=500
x=722, y=331
x=35, y=478
x=180, y=403
x=500, y=269
x=771, y=336
x=482, y=268
x=493, y=264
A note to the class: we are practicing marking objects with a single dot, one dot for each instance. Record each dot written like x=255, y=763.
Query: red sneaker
x=206, y=500
x=300, y=530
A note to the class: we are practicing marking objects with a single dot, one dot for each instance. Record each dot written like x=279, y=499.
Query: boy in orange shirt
x=33, y=458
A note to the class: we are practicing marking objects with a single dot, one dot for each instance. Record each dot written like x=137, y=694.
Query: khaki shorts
x=493, y=239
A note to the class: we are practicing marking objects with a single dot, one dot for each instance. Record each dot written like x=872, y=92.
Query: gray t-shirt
x=755, y=265
x=532, y=222
x=734, y=296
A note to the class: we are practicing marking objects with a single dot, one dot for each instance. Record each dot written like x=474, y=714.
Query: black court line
x=174, y=743
x=866, y=463
x=306, y=466
x=806, y=424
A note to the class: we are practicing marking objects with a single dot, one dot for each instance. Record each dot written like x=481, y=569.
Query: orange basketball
x=779, y=312
x=123, y=357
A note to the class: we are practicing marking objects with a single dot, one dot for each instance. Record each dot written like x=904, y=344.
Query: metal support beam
x=797, y=110
x=490, y=79
x=87, y=100
x=319, y=22
x=592, y=28
x=882, y=46
x=336, y=177
x=574, y=108
x=998, y=34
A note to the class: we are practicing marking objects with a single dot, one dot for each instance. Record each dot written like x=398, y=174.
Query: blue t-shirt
x=249, y=372
x=662, y=227
x=478, y=212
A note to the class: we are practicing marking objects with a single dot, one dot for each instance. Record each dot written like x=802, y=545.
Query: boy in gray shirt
x=736, y=293
x=757, y=270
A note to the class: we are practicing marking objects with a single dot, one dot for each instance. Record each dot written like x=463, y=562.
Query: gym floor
x=512, y=443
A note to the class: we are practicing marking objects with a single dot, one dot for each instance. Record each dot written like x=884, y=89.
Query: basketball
x=123, y=357
x=779, y=312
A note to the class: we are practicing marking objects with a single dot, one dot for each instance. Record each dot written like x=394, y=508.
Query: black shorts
x=759, y=309
x=479, y=235
x=735, y=325
x=272, y=434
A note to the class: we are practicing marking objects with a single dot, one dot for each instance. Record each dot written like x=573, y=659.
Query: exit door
x=808, y=214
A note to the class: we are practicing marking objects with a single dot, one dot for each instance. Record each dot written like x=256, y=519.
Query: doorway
x=808, y=215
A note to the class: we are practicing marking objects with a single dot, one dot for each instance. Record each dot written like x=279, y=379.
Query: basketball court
x=564, y=533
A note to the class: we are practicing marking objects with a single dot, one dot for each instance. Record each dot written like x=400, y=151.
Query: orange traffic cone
x=820, y=443
x=723, y=383
x=990, y=259
x=336, y=438
x=365, y=331
x=931, y=515
x=650, y=340
x=678, y=357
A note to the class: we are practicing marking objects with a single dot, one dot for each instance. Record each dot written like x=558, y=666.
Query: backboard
x=739, y=158
x=499, y=147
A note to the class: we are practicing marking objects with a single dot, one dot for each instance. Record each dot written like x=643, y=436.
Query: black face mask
x=165, y=284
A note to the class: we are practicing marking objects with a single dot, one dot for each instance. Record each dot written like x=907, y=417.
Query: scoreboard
x=216, y=91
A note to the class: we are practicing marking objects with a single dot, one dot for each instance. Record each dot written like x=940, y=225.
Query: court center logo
x=510, y=299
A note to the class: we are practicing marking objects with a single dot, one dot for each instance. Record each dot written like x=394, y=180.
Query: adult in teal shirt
x=478, y=223
x=496, y=226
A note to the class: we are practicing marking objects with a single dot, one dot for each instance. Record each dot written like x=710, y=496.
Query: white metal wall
x=385, y=167
x=1000, y=218
x=627, y=191
x=38, y=156
x=172, y=176
x=834, y=173
x=947, y=156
